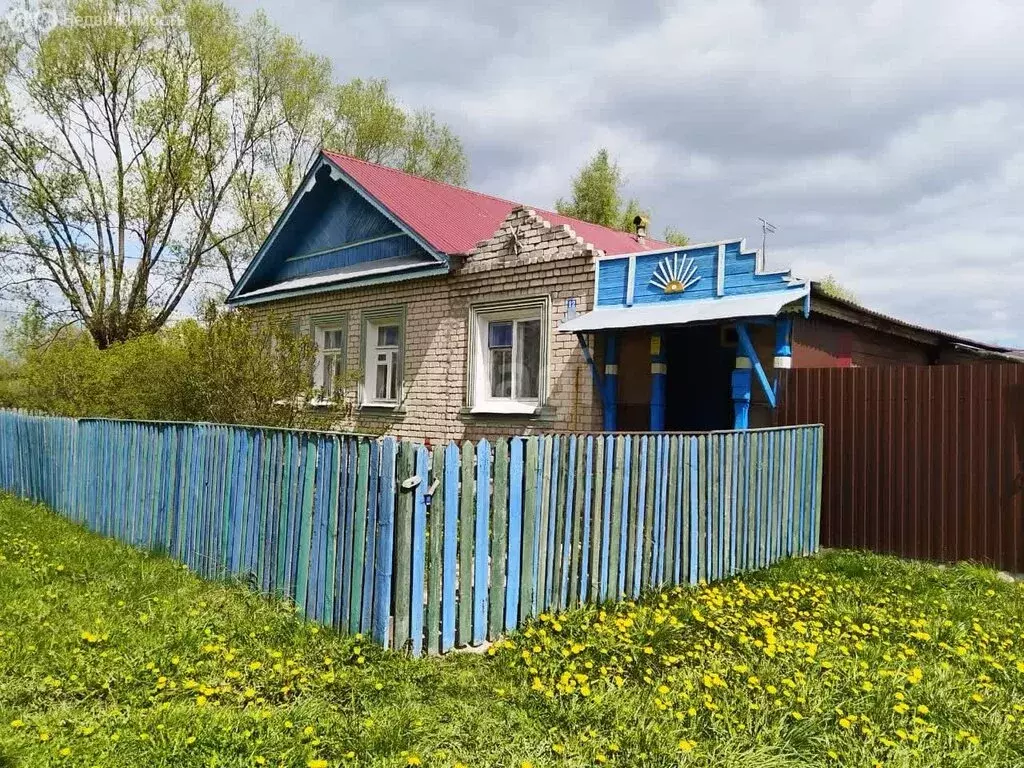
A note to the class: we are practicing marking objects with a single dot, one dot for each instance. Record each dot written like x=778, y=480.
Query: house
x=459, y=314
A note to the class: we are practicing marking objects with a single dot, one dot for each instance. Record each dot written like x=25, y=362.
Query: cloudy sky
x=885, y=140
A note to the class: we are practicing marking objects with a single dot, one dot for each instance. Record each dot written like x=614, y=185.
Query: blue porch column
x=742, y=383
x=659, y=369
x=783, y=342
x=611, y=380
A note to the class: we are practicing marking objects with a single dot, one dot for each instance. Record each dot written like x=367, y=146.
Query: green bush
x=232, y=367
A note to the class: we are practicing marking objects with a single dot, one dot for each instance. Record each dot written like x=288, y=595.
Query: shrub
x=227, y=366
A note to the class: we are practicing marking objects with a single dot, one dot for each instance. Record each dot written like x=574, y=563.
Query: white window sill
x=511, y=407
x=319, y=402
x=380, y=406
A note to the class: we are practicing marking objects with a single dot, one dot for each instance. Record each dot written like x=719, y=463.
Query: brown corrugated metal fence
x=921, y=461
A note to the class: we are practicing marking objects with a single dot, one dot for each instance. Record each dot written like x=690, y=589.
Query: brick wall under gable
x=526, y=258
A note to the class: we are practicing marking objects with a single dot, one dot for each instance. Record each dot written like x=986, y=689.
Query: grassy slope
x=116, y=658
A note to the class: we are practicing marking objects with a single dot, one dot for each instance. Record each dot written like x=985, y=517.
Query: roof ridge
x=541, y=211
x=423, y=178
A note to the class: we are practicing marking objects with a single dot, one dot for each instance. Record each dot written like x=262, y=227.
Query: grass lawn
x=111, y=657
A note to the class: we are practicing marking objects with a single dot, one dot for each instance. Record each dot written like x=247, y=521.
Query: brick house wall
x=526, y=258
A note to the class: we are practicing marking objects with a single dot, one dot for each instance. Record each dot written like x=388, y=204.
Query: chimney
x=640, y=224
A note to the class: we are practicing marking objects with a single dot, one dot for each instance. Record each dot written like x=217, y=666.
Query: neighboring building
x=841, y=333
x=460, y=315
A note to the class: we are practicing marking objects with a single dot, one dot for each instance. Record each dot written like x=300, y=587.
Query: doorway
x=699, y=382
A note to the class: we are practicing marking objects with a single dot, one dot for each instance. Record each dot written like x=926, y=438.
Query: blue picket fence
x=429, y=549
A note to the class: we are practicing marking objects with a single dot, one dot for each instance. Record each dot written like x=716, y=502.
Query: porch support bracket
x=747, y=350
x=594, y=372
x=608, y=383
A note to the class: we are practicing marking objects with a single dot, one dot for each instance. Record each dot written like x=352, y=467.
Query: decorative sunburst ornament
x=674, y=274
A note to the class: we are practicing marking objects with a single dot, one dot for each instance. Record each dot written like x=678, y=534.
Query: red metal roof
x=453, y=220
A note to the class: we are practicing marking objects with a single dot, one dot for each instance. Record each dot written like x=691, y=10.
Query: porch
x=690, y=338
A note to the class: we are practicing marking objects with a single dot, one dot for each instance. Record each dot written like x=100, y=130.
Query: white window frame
x=481, y=316
x=371, y=350
x=319, y=325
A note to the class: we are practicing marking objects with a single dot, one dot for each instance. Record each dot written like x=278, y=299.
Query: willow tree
x=145, y=143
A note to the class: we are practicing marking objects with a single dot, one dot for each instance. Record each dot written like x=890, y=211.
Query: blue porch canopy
x=706, y=283
x=680, y=313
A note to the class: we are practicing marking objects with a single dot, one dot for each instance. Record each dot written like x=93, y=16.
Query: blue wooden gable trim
x=691, y=273
x=331, y=224
x=612, y=282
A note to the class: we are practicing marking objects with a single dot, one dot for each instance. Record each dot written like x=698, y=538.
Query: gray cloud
x=885, y=140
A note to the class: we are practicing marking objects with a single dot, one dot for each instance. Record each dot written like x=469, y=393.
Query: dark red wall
x=824, y=342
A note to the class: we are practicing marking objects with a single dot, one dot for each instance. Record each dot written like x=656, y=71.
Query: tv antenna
x=767, y=228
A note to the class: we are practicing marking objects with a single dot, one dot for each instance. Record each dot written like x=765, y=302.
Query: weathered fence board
x=487, y=536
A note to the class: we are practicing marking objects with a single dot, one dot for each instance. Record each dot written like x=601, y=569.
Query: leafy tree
x=831, y=287
x=236, y=367
x=597, y=198
x=596, y=195
x=142, y=151
x=675, y=237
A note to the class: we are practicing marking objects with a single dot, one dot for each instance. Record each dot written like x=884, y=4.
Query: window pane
x=336, y=382
x=501, y=373
x=387, y=336
x=528, y=359
x=332, y=339
x=332, y=373
x=393, y=376
x=499, y=335
x=381, y=383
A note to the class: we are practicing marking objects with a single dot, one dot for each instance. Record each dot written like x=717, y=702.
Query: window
x=383, y=363
x=330, y=357
x=509, y=357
